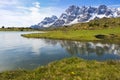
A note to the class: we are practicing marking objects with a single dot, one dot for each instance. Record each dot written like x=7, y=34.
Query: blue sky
x=27, y=12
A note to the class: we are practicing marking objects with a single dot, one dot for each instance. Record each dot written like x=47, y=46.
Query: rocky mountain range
x=75, y=14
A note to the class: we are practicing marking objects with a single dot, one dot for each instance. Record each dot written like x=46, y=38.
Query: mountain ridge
x=75, y=14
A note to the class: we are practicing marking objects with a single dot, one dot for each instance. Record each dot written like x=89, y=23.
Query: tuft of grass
x=69, y=69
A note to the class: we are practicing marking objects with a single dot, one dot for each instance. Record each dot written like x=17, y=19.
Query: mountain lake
x=17, y=52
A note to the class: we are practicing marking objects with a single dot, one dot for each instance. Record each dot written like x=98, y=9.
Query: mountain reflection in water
x=87, y=48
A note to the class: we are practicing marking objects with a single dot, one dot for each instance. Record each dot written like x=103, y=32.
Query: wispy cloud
x=19, y=15
x=118, y=5
x=37, y=4
x=8, y=2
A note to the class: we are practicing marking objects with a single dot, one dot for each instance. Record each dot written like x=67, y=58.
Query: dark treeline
x=3, y=28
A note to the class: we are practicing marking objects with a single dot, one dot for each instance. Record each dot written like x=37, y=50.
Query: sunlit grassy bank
x=112, y=34
x=69, y=69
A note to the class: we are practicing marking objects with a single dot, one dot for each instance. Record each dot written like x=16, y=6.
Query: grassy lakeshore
x=69, y=69
x=109, y=35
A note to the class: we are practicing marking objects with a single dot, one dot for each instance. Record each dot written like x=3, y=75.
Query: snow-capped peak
x=47, y=21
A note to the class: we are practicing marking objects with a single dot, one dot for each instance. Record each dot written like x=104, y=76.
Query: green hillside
x=93, y=24
x=106, y=29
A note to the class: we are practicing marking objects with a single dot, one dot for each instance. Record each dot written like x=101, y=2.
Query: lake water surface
x=19, y=52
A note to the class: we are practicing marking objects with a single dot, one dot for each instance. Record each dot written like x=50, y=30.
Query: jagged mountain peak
x=46, y=22
x=75, y=14
x=102, y=7
x=72, y=9
x=51, y=18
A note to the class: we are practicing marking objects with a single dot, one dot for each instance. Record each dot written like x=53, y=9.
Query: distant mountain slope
x=75, y=14
x=47, y=21
x=95, y=24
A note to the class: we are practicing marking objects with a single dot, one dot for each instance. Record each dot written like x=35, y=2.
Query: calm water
x=18, y=52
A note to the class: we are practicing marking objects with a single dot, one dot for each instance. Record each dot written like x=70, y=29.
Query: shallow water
x=19, y=52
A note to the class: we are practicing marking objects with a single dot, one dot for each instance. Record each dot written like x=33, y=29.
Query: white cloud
x=8, y=2
x=25, y=16
x=37, y=4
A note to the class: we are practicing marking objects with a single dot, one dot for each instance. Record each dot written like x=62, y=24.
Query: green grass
x=80, y=35
x=69, y=69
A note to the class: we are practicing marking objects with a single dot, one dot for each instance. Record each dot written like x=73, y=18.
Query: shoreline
x=104, y=35
x=68, y=68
